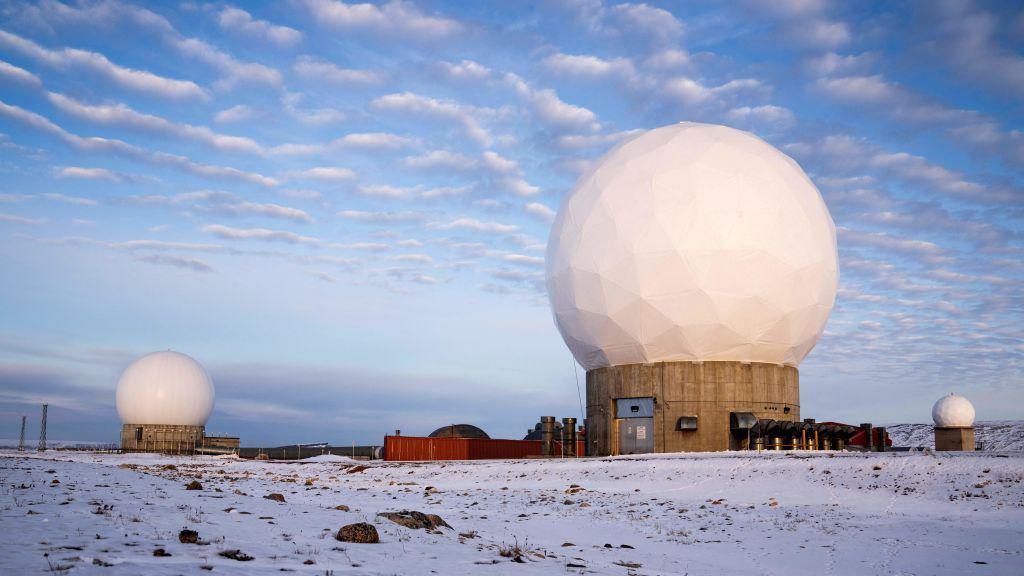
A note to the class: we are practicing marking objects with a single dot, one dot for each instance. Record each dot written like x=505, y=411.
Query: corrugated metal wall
x=413, y=448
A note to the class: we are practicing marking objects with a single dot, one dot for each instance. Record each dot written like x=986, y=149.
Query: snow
x=723, y=513
x=1000, y=435
x=330, y=458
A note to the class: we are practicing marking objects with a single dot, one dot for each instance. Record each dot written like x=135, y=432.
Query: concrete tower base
x=163, y=438
x=954, y=439
x=683, y=406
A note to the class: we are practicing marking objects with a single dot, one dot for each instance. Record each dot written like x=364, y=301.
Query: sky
x=341, y=209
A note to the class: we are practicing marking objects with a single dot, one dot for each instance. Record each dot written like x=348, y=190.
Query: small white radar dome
x=165, y=388
x=953, y=411
x=692, y=242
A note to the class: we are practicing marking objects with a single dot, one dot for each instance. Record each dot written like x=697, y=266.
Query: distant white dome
x=692, y=242
x=165, y=388
x=953, y=411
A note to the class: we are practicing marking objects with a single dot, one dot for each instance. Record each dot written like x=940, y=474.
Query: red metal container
x=413, y=448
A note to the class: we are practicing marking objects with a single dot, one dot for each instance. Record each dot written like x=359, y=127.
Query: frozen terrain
x=769, y=513
x=996, y=435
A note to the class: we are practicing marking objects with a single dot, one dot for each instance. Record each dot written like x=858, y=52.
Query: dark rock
x=275, y=497
x=359, y=533
x=235, y=555
x=194, y=485
x=342, y=507
x=161, y=553
x=188, y=536
x=415, y=520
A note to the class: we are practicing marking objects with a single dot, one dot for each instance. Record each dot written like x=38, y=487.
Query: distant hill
x=998, y=435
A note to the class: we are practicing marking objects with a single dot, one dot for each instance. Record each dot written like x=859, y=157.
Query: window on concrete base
x=138, y=434
x=687, y=423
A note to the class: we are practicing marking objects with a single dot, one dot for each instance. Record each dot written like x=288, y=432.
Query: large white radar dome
x=165, y=388
x=692, y=242
x=953, y=411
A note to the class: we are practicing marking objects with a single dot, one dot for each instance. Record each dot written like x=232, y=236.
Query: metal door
x=636, y=435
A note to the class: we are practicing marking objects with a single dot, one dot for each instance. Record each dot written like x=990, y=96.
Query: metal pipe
x=882, y=436
x=868, y=439
x=569, y=437
x=547, y=436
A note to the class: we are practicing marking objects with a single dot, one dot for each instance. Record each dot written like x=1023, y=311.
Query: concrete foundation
x=954, y=439
x=163, y=438
x=692, y=402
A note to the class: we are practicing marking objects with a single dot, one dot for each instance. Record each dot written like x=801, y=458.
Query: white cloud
x=323, y=71
x=375, y=141
x=519, y=187
x=465, y=70
x=588, y=66
x=578, y=141
x=766, y=114
x=669, y=59
x=89, y=173
x=523, y=260
x=264, y=234
x=384, y=191
x=176, y=261
x=138, y=80
x=237, y=113
x=552, y=109
x=476, y=226
x=15, y=219
x=329, y=174
x=237, y=20
x=394, y=17
x=381, y=217
x=541, y=211
x=125, y=116
x=76, y=200
x=19, y=75
x=440, y=160
x=460, y=114
x=689, y=91
x=639, y=21
x=98, y=144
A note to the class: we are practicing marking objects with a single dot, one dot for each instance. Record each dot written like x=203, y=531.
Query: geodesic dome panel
x=165, y=388
x=692, y=242
x=953, y=411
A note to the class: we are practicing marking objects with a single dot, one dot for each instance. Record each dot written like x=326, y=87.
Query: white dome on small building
x=953, y=411
x=692, y=242
x=165, y=388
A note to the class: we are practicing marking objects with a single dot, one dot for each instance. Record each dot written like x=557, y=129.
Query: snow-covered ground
x=727, y=513
x=996, y=435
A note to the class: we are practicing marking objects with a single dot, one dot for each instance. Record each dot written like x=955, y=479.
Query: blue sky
x=341, y=209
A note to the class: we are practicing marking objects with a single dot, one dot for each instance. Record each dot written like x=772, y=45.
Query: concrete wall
x=708, y=390
x=162, y=438
x=954, y=439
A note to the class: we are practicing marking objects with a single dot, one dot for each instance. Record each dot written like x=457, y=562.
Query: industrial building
x=690, y=271
x=164, y=400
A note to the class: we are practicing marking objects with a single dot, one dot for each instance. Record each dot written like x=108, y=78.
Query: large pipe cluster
x=788, y=435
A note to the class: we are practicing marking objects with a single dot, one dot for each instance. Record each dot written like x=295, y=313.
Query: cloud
x=237, y=113
x=124, y=116
x=322, y=71
x=551, y=109
x=19, y=75
x=384, y=191
x=637, y=21
x=588, y=66
x=396, y=17
x=263, y=234
x=523, y=260
x=767, y=114
x=375, y=141
x=579, y=141
x=329, y=174
x=541, y=211
x=476, y=226
x=221, y=202
x=689, y=91
x=15, y=219
x=176, y=261
x=89, y=173
x=460, y=114
x=382, y=217
x=440, y=160
x=138, y=80
x=98, y=144
x=800, y=22
x=465, y=70
x=77, y=200
x=239, y=21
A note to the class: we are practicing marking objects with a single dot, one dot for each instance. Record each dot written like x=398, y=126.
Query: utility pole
x=21, y=438
x=42, y=431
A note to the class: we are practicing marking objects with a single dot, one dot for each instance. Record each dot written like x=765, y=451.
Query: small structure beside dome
x=954, y=424
x=164, y=400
